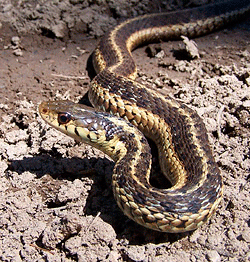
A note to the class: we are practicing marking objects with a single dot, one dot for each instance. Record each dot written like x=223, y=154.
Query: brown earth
x=56, y=200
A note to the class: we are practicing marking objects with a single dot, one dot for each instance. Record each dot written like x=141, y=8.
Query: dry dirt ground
x=56, y=200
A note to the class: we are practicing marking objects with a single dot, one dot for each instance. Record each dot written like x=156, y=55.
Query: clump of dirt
x=63, y=18
x=56, y=199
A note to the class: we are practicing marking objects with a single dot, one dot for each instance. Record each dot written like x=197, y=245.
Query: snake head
x=79, y=121
x=84, y=124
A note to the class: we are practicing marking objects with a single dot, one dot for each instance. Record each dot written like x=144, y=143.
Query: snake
x=127, y=113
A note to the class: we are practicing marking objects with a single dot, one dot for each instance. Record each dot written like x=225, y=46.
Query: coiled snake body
x=179, y=133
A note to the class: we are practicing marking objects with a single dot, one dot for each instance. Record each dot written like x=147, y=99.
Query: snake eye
x=64, y=118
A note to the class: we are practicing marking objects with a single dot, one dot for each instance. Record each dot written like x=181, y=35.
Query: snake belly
x=179, y=133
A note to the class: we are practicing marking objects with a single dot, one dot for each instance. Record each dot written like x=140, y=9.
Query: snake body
x=179, y=133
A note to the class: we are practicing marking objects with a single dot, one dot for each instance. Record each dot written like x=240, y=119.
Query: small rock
x=247, y=81
x=70, y=191
x=160, y=54
x=3, y=167
x=231, y=234
x=15, y=40
x=15, y=136
x=7, y=8
x=60, y=229
x=136, y=253
x=244, y=53
x=211, y=124
x=191, y=47
x=213, y=256
x=246, y=104
x=158, y=83
x=59, y=30
x=194, y=237
x=244, y=117
x=153, y=50
x=245, y=236
x=114, y=256
x=17, y=151
x=18, y=52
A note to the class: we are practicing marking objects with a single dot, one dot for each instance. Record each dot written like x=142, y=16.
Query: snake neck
x=173, y=127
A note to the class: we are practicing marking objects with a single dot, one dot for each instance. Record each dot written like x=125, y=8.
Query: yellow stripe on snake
x=179, y=133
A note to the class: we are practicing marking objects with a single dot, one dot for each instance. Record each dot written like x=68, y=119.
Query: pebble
x=114, y=256
x=158, y=82
x=60, y=229
x=3, y=168
x=15, y=136
x=59, y=30
x=213, y=256
x=136, y=253
x=160, y=54
x=246, y=236
x=191, y=47
x=246, y=104
x=17, y=151
x=211, y=124
x=194, y=236
x=18, y=52
x=7, y=8
x=15, y=40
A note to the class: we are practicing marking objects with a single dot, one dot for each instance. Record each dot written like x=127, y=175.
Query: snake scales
x=179, y=133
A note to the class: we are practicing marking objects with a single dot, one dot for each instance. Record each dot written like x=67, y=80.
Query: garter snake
x=179, y=133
